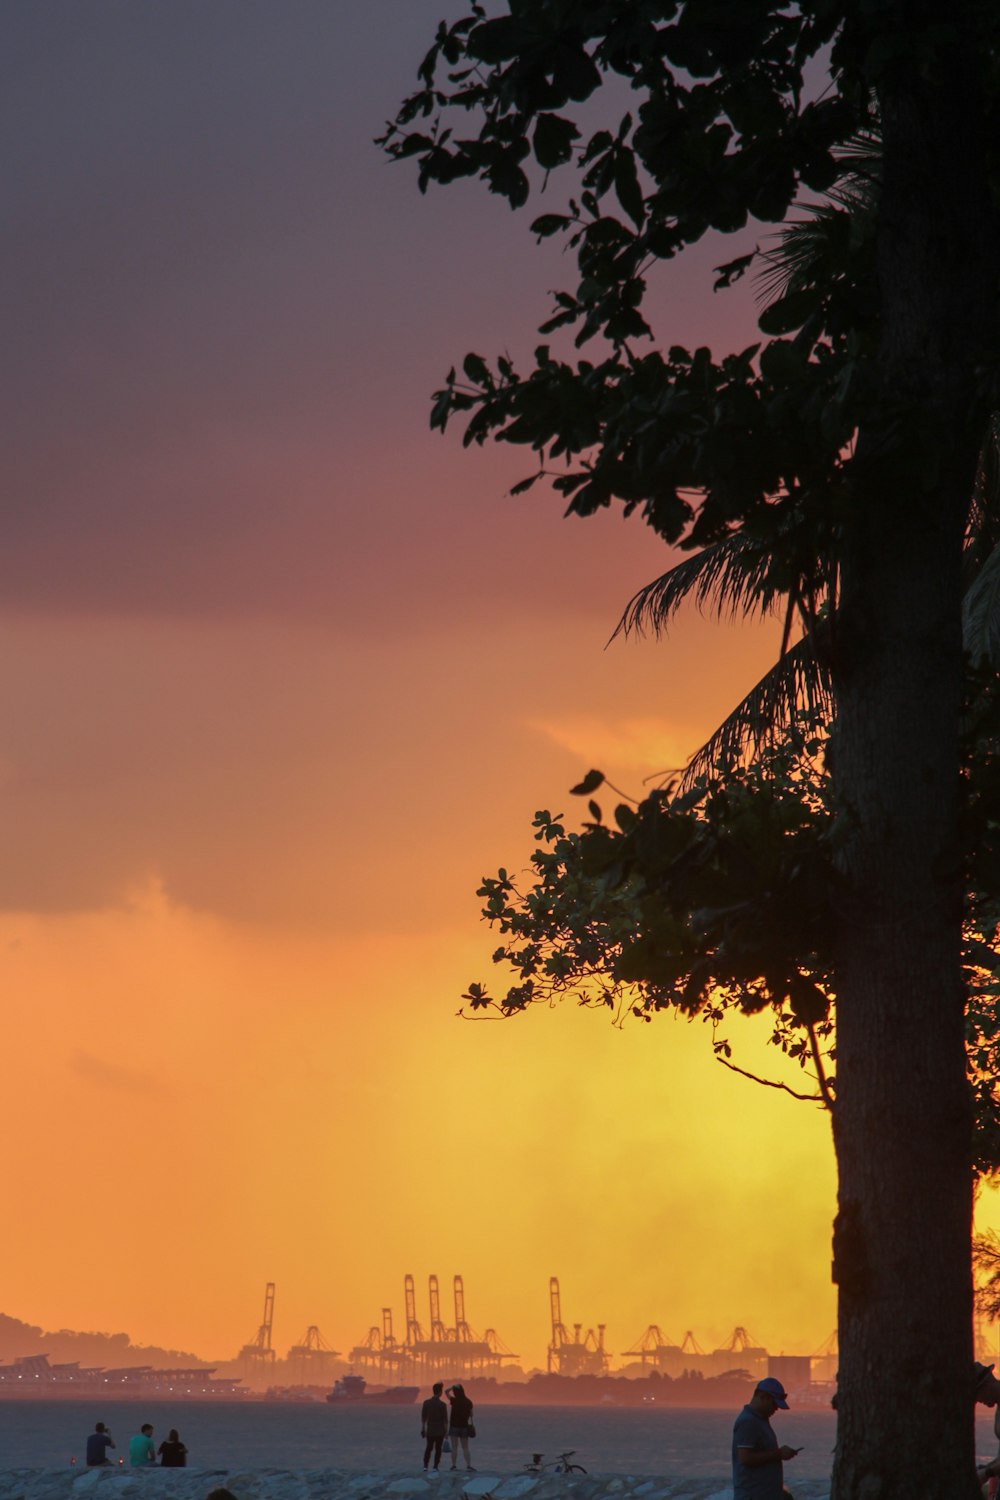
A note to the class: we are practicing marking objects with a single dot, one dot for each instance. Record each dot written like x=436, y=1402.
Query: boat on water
x=352, y=1389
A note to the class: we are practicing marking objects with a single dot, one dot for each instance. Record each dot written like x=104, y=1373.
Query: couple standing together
x=436, y=1424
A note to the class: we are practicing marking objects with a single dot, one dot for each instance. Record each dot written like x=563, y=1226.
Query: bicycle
x=560, y=1465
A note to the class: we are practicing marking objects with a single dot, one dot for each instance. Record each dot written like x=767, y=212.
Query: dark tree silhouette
x=844, y=449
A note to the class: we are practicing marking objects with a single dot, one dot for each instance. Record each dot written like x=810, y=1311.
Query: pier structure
x=31, y=1377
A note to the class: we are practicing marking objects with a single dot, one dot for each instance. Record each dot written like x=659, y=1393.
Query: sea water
x=672, y=1442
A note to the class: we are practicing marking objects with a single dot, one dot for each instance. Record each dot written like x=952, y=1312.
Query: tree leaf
x=553, y=140
x=476, y=369
x=627, y=187
x=732, y=270
x=590, y=783
x=789, y=312
x=548, y=224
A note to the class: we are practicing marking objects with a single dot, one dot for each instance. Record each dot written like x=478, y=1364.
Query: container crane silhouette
x=258, y=1355
x=438, y=1333
x=648, y=1347
x=310, y=1359
x=414, y=1332
x=579, y=1355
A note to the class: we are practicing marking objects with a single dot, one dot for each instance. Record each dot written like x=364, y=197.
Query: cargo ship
x=353, y=1389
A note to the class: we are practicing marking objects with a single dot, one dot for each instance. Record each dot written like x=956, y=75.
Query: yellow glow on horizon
x=227, y=1107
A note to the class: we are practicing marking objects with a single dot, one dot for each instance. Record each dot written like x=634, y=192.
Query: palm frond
x=814, y=251
x=862, y=152
x=732, y=577
x=983, y=531
x=806, y=255
x=798, y=681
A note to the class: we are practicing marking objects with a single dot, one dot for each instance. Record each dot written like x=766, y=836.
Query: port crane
x=438, y=1333
x=579, y=1355
x=649, y=1347
x=463, y=1333
x=258, y=1355
x=310, y=1359
x=741, y=1342
x=414, y=1332
x=458, y=1352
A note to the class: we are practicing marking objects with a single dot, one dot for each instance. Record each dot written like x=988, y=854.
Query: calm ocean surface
x=258, y=1435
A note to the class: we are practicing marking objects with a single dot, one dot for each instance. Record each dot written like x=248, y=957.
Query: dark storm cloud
x=229, y=314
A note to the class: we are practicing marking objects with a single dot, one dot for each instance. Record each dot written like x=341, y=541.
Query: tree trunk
x=903, y=1120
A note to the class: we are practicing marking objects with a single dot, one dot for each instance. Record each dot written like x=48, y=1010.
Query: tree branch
x=770, y=1083
x=821, y=1078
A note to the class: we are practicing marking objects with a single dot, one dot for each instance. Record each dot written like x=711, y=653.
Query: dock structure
x=438, y=1351
x=31, y=1377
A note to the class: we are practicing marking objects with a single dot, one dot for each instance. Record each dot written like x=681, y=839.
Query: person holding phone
x=987, y=1393
x=758, y=1460
x=98, y=1443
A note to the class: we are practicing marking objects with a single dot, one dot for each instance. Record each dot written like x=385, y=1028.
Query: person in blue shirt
x=141, y=1452
x=758, y=1472
x=98, y=1443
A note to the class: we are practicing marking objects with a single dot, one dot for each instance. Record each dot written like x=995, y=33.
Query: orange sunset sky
x=284, y=674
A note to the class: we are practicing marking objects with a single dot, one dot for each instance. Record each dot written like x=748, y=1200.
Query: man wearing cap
x=757, y=1458
x=987, y=1389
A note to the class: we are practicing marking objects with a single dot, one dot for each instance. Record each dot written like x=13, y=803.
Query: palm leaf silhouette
x=798, y=682
x=731, y=576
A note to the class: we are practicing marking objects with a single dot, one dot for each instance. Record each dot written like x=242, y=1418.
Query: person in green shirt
x=141, y=1452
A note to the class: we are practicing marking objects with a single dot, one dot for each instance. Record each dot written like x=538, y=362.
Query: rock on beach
x=341, y=1484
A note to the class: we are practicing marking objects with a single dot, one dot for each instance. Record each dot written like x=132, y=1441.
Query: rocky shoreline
x=340, y=1484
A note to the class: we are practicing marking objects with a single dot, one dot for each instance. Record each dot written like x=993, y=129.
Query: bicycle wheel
x=574, y=1469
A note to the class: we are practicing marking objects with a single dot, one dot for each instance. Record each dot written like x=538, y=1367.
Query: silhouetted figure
x=434, y=1426
x=757, y=1459
x=987, y=1392
x=460, y=1428
x=220, y=1494
x=98, y=1443
x=173, y=1453
x=141, y=1452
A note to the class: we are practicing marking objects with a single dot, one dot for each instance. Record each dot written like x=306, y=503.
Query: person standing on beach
x=98, y=1443
x=757, y=1459
x=461, y=1428
x=141, y=1452
x=434, y=1426
x=987, y=1392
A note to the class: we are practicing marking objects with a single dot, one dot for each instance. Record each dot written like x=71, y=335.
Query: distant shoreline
x=531, y=1399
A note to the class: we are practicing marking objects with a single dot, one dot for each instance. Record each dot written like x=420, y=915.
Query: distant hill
x=111, y=1351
